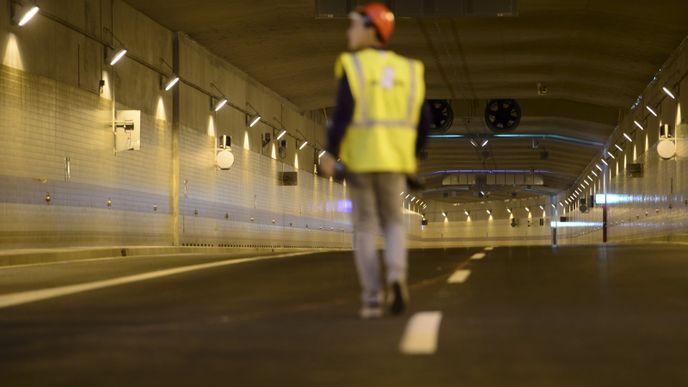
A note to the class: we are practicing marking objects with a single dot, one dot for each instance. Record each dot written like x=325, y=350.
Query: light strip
x=221, y=104
x=254, y=122
x=28, y=16
x=117, y=57
x=171, y=83
x=669, y=93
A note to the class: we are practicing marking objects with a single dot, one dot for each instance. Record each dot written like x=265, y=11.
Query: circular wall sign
x=666, y=148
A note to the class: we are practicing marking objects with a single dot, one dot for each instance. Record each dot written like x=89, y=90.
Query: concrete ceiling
x=595, y=57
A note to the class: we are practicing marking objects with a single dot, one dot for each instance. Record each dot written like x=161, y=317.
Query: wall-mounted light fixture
x=669, y=93
x=638, y=125
x=116, y=55
x=628, y=137
x=649, y=109
x=217, y=103
x=281, y=134
x=168, y=82
x=303, y=145
x=22, y=14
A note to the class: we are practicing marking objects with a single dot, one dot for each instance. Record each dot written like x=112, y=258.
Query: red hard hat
x=380, y=17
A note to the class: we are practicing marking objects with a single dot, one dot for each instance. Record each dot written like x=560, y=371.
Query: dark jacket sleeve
x=343, y=114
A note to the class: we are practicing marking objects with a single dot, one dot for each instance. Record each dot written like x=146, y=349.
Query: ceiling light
x=281, y=134
x=618, y=147
x=651, y=111
x=304, y=145
x=638, y=125
x=27, y=15
x=254, y=121
x=170, y=84
x=628, y=137
x=119, y=55
x=669, y=93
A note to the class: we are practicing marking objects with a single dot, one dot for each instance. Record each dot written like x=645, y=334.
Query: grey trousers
x=376, y=202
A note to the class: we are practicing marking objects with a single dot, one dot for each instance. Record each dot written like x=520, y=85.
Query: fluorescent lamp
x=651, y=111
x=282, y=134
x=28, y=16
x=638, y=125
x=561, y=204
x=598, y=167
x=604, y=162
x=628, y=137
x=407, y=196
x=466, y=212
x=669, y=93
x=402, y=193
x=553, y=205
x=221, y=104
x=120, y=54
x=594, y=173
x=489, y=212
x=542, y=208
x=322, y=153
x=527, y=209
x=254, y=121
x=618, y=147
x=474, y=143
x=484, y=143
x=171, y=83
x=444, y=214
x=611, y=155
x=508, y=210
x=304, y=145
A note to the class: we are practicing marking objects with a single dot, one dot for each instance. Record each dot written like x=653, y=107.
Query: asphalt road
x=568, y=316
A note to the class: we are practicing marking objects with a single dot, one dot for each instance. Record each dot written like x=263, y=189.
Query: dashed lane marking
x=459, y=277
x=478, y=256
x=420, y=336
x=26, y=297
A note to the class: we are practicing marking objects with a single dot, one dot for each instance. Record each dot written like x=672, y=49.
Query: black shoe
x=399, y=298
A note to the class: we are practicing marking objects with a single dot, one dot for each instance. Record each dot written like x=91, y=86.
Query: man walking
x=378, y=129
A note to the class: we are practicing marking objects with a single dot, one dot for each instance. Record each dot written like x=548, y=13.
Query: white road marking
x=478, y=256
x=7, y=300
x=489, y=248
x=459, y=277
x=420, y=336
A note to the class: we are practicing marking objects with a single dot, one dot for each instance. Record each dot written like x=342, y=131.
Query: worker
x=377, y=131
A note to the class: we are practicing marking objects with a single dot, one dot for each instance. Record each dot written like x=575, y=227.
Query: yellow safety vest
x=388, y=91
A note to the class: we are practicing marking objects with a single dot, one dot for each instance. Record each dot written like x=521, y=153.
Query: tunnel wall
x=653, y=207
x=58, y=143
